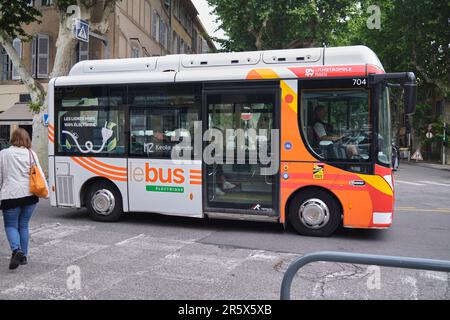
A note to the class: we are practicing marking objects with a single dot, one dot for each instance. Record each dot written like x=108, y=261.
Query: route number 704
x=360, y=82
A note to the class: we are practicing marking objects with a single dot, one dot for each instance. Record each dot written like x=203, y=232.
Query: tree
x=414, y=36
x=15, y=14
x=267, y=24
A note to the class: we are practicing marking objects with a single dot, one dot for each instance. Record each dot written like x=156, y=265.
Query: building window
x=135, y=52
x=195, y=41
x=182, y=49
x=175, y=43
x=167, y=4
x=4, y=136
x=156, y=26
x=40, y=56
x=163, y=34
x=162, y=28
x=5, y=65
x=17, y=44
x=175, y=8
x=47, y=2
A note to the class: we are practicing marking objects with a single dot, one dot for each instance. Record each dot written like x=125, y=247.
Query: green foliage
x=15, y=13
x=422, y=119
x=34, y=107
x=268, y=24
x=414, y=36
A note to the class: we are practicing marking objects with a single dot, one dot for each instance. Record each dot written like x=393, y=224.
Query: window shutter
x=161, y=32
x=155, y=26
x=174, y=42
x=83, y=52
x=33, y=57
x=182, y=47
x=43, y=55
x=17, y=44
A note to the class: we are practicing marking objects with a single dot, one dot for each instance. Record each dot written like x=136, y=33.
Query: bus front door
x=235, y=180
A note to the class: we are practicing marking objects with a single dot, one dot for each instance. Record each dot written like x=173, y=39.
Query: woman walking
x=17, y=202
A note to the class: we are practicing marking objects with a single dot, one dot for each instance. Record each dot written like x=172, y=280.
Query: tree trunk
x=35, y=89
x=38, y=98
x=65, y=50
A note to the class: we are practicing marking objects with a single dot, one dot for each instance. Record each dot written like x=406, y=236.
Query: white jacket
x=15, y=173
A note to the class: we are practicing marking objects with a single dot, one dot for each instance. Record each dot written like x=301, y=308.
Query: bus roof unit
x=335, y=56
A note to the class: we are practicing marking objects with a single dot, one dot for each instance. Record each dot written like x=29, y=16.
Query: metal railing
x=358, y=258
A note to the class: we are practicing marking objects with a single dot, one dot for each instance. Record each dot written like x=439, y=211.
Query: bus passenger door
x=235, y=180
x=158, y=182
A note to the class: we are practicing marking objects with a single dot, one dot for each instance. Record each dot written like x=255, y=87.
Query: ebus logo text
x=151, y=174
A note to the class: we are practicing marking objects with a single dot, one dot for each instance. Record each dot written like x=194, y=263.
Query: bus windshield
x=384, y=129
x=336, y=123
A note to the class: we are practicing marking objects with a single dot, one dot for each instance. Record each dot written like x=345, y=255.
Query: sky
x=207, y=18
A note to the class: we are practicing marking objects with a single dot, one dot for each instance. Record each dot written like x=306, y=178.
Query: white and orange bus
x=113, y=123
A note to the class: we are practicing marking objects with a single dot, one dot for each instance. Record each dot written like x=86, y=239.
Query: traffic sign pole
x=444, y=145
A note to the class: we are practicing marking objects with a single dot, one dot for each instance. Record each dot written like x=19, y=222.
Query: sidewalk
x=431, y=165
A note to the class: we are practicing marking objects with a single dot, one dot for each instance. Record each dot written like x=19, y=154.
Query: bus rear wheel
x=314, y=213
x=104, y=202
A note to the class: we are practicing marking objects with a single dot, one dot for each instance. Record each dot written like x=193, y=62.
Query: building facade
x=138, y=28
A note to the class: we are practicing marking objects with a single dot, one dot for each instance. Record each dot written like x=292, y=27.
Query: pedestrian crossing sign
x=81, y=30
x=417, y=155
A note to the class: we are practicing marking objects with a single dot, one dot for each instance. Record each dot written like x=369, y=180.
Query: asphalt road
x=148, y=256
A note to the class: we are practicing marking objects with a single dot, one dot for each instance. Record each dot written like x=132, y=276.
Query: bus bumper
x=381, y=220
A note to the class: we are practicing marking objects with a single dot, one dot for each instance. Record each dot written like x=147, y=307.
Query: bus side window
x=156, y=112
x=91, y=120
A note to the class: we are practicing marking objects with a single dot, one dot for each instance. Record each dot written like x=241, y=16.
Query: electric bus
x=114, y=125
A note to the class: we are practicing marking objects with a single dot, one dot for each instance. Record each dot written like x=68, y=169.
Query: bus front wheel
x=314, y=213
x=104, y=202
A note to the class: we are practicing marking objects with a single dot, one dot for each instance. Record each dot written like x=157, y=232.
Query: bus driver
x=324, y=132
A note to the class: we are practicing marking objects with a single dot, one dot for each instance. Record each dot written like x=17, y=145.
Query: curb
x=427, y=165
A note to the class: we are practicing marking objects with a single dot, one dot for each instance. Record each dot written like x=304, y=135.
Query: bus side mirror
x=407, y=80
x=410, y=96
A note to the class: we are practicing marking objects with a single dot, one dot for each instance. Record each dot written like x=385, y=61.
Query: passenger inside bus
x=222, y=185
x=324, y=139
x=160, y=144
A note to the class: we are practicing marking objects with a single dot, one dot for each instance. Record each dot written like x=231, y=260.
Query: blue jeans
x=17, y=227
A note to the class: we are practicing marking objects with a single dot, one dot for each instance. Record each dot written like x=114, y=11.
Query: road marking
x=441, y=210
x=410, y=183
x=121, y=243
x=436, y=183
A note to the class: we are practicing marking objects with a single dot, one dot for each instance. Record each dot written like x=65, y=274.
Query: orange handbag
x=38, y=187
